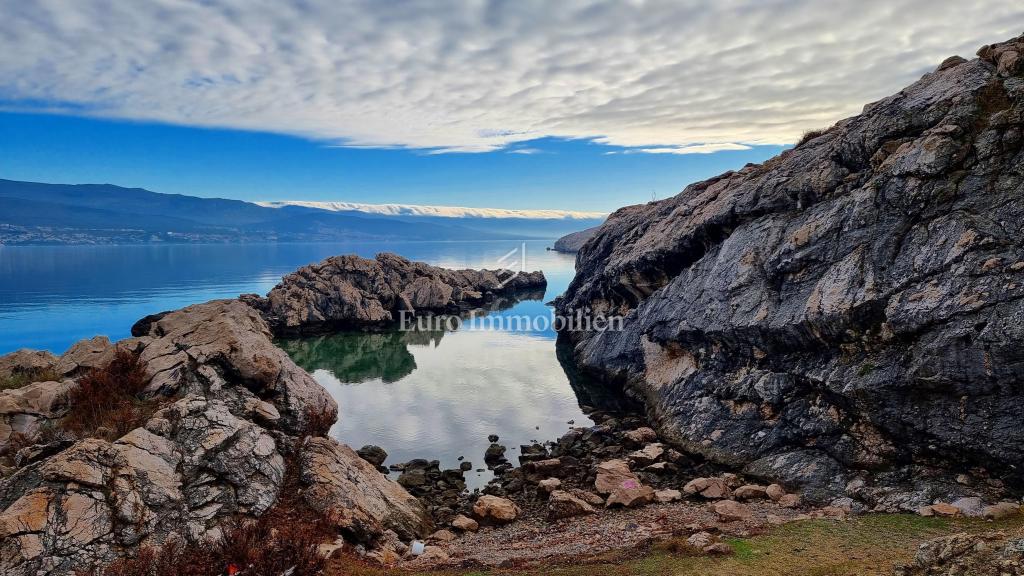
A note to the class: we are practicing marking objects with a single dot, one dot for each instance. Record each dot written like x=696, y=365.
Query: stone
x=775, y=492
x=630, y=494
x=495, y=453
x=1001, y=510
x=442, y=536
x=465, y=524
x=648, y=455
x=731, y=511
x=750, y=492
x=710, y=488
x=373, y=454
x=641, y=435
x=495, y=510
x=588, y=497
x=549, y=485
x=943, y=509
x=701, y=540
x=666, y=496
x=780, y=260
x=972, y=506
x=718, y=549
x=790, y=501
x=562, y=504
x=611, y=474
x=23, y=411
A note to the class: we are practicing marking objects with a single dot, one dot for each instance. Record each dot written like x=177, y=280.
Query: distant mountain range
x=37, y=213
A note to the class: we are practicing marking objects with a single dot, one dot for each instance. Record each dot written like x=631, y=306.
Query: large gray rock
x=353, y=292
x=850, y=307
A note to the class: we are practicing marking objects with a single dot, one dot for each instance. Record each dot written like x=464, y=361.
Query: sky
x=585, y=105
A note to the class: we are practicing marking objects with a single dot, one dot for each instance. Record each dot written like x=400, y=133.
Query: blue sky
x=434, y=101
x=561, y=174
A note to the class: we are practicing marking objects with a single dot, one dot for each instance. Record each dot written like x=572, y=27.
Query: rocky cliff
x=346, y=292
x=847, y=317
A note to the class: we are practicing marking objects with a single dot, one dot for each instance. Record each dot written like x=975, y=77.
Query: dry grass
x=20, y=379
x=811, y=135
x=106, y=402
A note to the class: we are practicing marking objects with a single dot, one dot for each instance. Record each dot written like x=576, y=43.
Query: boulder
x=701, y=540
x=442, y=536
x=562, y=504
x=1001, y=510
x=775, y=492
x=972, y=506
x=710, y=488
x=490, y=509
x=731, y=511
x=750, y=492
x=641, y=435
x=361, y=499
x=611, y=474
x=666, y=496
x=943, y=509
x=790, y=501
x=373, y=454
x=648, y=455
x=549, y=485
x=465, y=524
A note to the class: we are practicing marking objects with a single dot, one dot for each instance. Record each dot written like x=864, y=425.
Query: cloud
x=479, y=75
x=445, y=211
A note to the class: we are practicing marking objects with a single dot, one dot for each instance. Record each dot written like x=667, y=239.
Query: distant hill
x=571, y=243
x=37, y=213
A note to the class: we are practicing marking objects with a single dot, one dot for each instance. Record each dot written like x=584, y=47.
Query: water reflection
x=354, y=357
x=421, y=395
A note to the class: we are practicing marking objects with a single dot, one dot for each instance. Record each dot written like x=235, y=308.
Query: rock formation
x=349, y=292
x=232, y=408
x=845, y=315
x=571, y=243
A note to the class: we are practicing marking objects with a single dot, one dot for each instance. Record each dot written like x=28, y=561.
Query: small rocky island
x=833, y=332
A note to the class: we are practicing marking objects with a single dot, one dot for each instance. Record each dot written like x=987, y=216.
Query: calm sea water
x=435, y=395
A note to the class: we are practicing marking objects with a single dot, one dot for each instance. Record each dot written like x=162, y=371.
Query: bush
x=106, y=403
x=811, y=135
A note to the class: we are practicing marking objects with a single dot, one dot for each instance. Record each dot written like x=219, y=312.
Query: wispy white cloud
x=656, y=75
x=445, y=211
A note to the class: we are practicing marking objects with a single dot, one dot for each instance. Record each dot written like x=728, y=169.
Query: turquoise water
x=434, y=395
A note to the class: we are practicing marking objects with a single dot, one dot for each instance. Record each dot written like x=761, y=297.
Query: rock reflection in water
x=355, y=357
x=420, y=396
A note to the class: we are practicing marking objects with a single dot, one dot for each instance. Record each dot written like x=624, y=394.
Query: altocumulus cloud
x=659, y=76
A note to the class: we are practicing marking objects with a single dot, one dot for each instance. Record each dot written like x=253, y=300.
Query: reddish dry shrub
x=106, y=403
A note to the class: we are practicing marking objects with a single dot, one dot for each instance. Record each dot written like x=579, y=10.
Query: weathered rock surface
x=562, y=504
x=986, y=554
x=26, y=362
x=212, y=454
x=850, y=310
x=353, y=292
x=571, y=243
x=355, y=494
x=495, y=510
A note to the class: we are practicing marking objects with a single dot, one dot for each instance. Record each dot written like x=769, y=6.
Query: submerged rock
x=851, y=305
